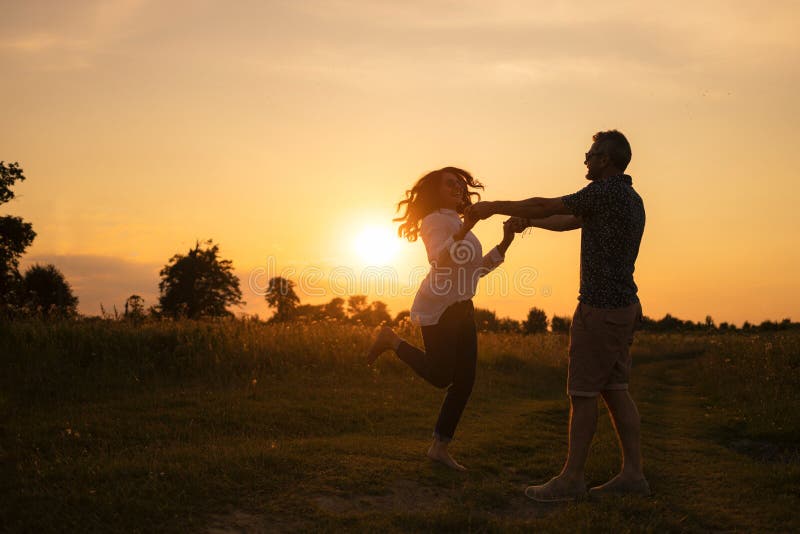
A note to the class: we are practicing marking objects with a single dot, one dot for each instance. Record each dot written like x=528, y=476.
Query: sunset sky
x=285, y=130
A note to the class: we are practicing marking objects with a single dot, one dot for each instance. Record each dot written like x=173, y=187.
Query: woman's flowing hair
x=423, y=198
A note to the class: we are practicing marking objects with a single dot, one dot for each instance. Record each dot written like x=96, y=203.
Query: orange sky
x=282, y=129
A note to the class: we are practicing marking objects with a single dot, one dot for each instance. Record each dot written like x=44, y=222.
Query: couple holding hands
x=611, y=217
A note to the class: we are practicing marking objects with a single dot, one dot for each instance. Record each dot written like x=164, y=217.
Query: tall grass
x=78, y=359
x=758, y=375
x=756, y=379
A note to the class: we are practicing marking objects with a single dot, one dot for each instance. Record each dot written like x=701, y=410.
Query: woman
x=443, y=304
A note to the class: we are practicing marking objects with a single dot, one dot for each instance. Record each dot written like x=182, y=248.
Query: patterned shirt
x=613, y=223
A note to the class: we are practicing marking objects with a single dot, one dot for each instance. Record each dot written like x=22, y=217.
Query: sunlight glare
x=376, y=245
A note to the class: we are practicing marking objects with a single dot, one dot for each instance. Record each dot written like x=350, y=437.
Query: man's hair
x=615, y=146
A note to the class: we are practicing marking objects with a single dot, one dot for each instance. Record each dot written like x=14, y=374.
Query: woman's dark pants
x=449, y=360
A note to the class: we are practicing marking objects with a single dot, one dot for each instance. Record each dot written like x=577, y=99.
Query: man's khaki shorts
x=599, y=348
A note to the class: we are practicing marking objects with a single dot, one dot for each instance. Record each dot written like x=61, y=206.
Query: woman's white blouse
x=456, y=267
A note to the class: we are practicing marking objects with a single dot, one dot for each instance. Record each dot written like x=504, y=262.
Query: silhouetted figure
x=611, y=217
x=443, y=304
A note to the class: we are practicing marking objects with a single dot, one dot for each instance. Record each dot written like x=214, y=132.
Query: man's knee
x=583, y=399
x=617, y=398
x=583, y=406
x=621, y=405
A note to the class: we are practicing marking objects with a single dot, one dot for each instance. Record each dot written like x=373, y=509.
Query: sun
x=376, y=245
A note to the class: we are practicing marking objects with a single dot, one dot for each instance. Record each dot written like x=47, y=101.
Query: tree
x=507, y=324
x=309, y=312
x=47, y=292
x=335, y=309
x=16, y=235
x=402, y=317
x=356, y=304
x=199, y=284
x=370, y=314
x=536, y=321
x=560, y=325
x=134, y=307
x=485, y=320
x=281, y=296
x=379, y=313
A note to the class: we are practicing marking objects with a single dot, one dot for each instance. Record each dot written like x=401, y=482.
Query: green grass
x=189, y=426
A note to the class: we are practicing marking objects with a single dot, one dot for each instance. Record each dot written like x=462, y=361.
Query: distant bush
x=536, y=321
x=560, y=325
x=47, y=293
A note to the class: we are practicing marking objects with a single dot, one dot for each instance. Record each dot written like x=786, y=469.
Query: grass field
x=236, y=426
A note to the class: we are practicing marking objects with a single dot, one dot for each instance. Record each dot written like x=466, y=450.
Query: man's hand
x=469, y=221
x=480, y=210
x=467, y=224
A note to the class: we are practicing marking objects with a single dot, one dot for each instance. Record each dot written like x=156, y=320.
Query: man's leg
x=624, y=413
x=582, y=426
x=570, y=483
x=627, y=423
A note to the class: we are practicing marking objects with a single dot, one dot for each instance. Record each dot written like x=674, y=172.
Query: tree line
x=282, y=297
x=201, y=284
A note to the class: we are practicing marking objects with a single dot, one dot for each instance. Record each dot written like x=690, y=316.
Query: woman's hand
x=508, y=236
x=509, y=231
x=518, y=224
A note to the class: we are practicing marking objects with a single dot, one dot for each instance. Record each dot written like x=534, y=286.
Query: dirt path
x=696, y=473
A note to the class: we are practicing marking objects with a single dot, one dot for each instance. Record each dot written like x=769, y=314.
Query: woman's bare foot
x=385, y=340
x=438, y=453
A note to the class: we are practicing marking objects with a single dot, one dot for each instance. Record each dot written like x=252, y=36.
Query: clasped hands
x=482, y=210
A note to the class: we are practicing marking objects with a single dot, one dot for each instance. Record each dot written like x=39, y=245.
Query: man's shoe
x=616, y=486
x=556, y=490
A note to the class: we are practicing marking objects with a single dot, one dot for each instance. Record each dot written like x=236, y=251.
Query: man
x=611, y=217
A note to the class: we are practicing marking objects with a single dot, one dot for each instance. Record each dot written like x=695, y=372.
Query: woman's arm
x=497, y=255
x=508, y=237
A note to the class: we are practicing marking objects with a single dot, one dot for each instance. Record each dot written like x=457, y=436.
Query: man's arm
x=556, y=223
x=532, y=208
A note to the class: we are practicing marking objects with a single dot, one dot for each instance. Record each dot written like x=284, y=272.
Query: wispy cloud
x=67, y=36
x=382, y=44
